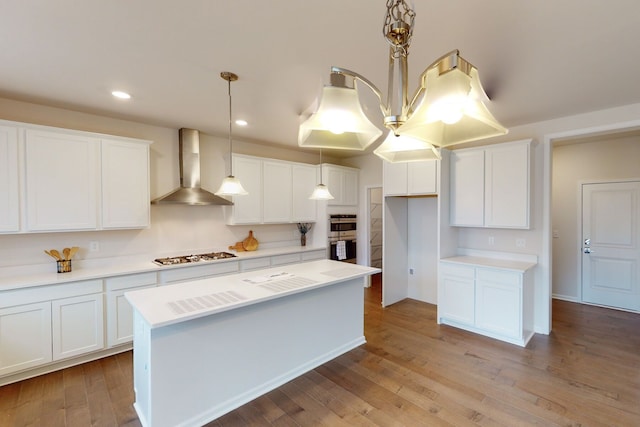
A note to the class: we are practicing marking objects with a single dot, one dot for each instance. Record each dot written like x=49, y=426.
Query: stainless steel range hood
x=189, y=192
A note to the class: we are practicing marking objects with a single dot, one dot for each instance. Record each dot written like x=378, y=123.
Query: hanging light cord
x=321, y=166
x=230, y=139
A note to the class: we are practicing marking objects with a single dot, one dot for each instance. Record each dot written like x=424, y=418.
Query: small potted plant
x=303, y=228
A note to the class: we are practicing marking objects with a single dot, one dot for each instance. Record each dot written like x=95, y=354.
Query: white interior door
x=610, y=249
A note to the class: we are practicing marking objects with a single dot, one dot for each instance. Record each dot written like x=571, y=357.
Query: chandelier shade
x=339, y=123
x=402, y=148
x=452, y=106
x=448, y=107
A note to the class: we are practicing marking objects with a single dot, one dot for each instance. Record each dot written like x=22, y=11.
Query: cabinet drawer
x=285, y=259
x=199, y=272
x=497, y=276
x=254, y=264
x=311, y=255
x=457, y=270
x=49, y=292
x=131, y=281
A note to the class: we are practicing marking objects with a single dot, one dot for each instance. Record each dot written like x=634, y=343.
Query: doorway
x=610, y=244
x=375, y=227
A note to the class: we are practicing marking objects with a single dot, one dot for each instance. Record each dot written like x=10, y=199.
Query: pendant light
x=447, y=108
x=230, y=185
x=321, y=192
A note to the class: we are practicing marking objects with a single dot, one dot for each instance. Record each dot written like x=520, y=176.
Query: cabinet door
x=9, y=187
x=277, y=192
x=507, y=186
x=248, y=209
x=25, y=337
x=304, y=182
x=457, y=302
x=350, y=192
x=120, y=317
x=77, y=325
x=422, y=177
x=499, y=303
x=467, y=188
x=394, y=178
x=62, y=173
x=335, y=182
x=125, y=184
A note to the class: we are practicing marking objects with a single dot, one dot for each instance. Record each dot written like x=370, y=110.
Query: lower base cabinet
x=50, y=323
x=77, y=325
x=490, y=301
x=119, y=311
x=25, y=337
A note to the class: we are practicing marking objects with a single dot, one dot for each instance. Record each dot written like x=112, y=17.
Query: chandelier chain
x=398, y=26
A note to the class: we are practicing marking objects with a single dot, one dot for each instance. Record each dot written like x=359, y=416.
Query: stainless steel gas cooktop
x=185, y=259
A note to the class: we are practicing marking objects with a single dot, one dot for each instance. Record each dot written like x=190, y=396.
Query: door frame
x=579, y=223
x=543, y=324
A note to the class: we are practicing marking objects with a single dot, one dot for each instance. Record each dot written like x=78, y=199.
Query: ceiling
x=537, y=59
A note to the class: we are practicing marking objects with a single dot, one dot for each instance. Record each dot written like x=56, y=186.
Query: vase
x=303, y=240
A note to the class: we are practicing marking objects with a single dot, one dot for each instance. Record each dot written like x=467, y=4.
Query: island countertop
x=172, y=304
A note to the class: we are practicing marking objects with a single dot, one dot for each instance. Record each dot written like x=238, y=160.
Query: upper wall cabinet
x=411, y=178
x=72, y=180
x=342, y=183
x=278, y=191
x=490, y=186
x=61, y=181
x=9, y=183
x=125, y=184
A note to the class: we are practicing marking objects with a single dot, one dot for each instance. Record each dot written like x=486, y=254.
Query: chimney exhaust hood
x=189, y=192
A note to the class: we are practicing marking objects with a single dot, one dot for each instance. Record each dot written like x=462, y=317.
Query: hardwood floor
x=411, y=372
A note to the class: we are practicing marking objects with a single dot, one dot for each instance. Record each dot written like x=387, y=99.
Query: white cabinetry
x=61, y=181
x=496, y=302
x=278, y=191
x=77, y=325
x=25, y=337
x=304, y=181
x=342, y=183
x=457, y=299
x=42, y=324
x=411, y=178
x=490, y=186
x=119, y=311
x=9, y=183
x=247, y=209
x=73, y=180
x=125, y=184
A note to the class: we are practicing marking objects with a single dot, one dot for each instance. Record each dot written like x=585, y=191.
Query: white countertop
x=166, y=305
x=25, y=277
x=504, y=264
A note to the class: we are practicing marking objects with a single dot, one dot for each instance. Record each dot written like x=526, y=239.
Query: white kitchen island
x=206, y=347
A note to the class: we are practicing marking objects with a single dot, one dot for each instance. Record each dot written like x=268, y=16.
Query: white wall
x=607, y=158
x=174, y=229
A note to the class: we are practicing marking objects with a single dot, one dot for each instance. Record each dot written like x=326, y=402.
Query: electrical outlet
x=556, y=234
x=521, y=243
x=492, y=240
x=94, y=246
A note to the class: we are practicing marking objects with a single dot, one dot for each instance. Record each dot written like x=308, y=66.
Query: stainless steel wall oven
x=342, y=237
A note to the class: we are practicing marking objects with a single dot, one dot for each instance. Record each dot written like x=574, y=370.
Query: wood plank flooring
x=411, y=372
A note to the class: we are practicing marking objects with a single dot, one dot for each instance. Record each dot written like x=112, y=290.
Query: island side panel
x=201, y=369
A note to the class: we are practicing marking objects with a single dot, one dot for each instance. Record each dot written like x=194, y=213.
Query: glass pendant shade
x=452, y=110
x=321, y=192
x=339, y=122
x=231, y=187
x=402, y=148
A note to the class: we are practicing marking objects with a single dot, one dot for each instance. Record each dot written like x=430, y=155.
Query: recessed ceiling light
x=120, y=94
x=241, y=122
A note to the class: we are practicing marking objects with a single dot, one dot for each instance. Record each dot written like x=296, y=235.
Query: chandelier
x=447, y=108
